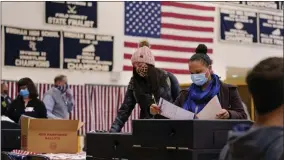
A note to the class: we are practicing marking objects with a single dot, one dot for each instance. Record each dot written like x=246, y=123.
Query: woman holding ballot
x=207, y=85
x=146, y=86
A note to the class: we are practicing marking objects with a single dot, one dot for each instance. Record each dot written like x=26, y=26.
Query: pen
x=153, y=97
x=195, y=112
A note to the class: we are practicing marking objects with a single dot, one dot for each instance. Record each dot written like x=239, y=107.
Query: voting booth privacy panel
x=95, y=105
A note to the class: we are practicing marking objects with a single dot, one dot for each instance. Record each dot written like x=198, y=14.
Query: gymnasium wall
x=111, y=22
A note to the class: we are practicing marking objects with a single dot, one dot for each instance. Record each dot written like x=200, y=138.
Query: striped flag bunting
x=105, y=102
x=95, y=105
x=174, y=30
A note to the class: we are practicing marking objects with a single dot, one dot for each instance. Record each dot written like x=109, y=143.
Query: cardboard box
x=49, y=136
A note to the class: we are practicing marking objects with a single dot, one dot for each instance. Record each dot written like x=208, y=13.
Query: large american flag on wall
x=174, y=30
x=95, y=105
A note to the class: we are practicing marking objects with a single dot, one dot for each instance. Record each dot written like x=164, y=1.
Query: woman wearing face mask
x=146, y=87
x=205, y=86
x=27, y=102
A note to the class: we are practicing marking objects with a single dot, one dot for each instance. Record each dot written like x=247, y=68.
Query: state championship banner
x=83, y=51
x=271, y=29
x=238, y=26
x=31, y=48
x=272, y=5
x=77, y=14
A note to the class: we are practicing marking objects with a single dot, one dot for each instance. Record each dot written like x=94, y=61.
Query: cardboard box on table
x=49, y=136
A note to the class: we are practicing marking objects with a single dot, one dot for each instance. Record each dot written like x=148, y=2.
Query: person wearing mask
x=59, y=99
x=265, y=139
x=27, y=102
x=5, y=99
x=207, y=85
x=147, y=85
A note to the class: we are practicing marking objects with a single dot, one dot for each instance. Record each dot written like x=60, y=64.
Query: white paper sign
x=29, y=109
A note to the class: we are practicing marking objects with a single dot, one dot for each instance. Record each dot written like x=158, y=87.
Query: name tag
x=29, y=109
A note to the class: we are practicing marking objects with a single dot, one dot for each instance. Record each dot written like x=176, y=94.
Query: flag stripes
x=95, y=105
x=174, y=30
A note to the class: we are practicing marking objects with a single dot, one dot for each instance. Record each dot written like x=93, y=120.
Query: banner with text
x=31, y=48
x=238, y=26
x=271, y=29
x=84, y=51
x=273, y=5
x=78, y=14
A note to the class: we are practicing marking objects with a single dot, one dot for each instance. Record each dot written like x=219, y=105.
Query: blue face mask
x=24, y=93
x=199, y=79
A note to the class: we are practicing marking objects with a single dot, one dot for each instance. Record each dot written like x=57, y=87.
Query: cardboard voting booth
x=49, y=136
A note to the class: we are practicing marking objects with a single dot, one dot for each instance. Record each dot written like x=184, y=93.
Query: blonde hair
x=144, y=43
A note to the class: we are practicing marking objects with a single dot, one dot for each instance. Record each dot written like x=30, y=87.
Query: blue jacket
x=259, y=143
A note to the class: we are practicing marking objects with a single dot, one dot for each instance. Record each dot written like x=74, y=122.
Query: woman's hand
x=223, y=114
x=154, y=109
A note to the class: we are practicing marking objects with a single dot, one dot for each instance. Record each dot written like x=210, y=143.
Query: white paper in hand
x=172, y=111
x=210, y=110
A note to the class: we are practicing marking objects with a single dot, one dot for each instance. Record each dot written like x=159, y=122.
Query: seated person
x=27, y=102
x=205, y=86
x=5, y=99
x=265, y=139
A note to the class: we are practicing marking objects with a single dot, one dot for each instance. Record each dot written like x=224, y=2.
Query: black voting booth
x=163, y=140
x=105, y=145
x=10, y=136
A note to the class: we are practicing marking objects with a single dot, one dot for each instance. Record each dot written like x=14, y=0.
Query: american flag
x=95, y=105
x=174, y=30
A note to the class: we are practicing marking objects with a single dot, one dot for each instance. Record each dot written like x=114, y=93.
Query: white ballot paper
x=210, y=110
x=172, y=111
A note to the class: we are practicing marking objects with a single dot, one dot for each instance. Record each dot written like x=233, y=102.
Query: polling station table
x=11, y=145
x=23, y=155
x=163, y=140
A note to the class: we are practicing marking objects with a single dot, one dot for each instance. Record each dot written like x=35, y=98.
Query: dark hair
x=59, y=78
x=265, y=83
x=201, y=55
x=30, y=85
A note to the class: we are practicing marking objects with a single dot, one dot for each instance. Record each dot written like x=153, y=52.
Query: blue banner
x=271, y=29
x=238, y=26
x=273, y=5
x=77, y=14
x=84, y=51
x=31, y=48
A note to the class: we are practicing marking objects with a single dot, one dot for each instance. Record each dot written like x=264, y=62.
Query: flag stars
x=142, y=19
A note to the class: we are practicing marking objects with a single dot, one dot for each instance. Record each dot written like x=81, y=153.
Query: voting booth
x=163, y=140
x=10, y=136
x=106, y=145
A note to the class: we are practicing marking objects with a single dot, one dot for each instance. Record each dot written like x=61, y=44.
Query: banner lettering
x=77, y=14
x=238, y=26
x=32, y=48
x=84, y=51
